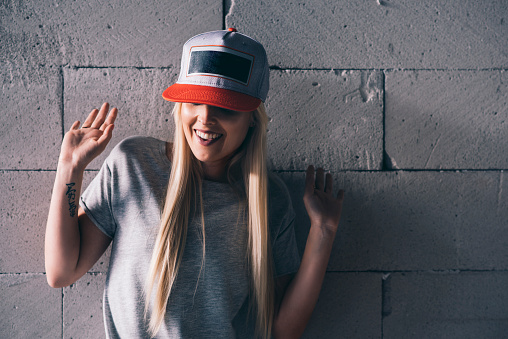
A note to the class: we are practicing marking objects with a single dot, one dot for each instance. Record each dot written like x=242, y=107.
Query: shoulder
x=136, y=147
x=280, y=206
x=138, y=155
x=136, y=143
x=277, y=189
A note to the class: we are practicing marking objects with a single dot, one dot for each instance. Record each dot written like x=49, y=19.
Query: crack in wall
x=500, y=193
x=371, y=86
x=389, y=162
x=432, y=152
x=227, y=9
x=386, y=302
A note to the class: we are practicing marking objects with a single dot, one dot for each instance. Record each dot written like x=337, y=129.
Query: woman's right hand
x=81, y=145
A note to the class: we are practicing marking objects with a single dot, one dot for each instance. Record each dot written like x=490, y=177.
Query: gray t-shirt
x=208, y=301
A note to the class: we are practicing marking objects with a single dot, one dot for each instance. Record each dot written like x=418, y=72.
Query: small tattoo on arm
x=71, y=198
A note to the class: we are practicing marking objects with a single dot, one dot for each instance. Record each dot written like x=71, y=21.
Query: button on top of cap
x=231, y=29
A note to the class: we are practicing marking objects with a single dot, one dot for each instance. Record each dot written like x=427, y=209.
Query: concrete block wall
x=405, y=102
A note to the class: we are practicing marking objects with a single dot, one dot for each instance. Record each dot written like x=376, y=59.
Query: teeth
x=207, y=136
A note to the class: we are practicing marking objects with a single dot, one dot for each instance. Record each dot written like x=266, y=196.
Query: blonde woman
x=203, y=242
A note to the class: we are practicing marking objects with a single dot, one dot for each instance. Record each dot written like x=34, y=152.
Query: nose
x=206, y=115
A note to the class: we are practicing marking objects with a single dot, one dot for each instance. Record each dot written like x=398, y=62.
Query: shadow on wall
x=394, y=221
x=416, y=252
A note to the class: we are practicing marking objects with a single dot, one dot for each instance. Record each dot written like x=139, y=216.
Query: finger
x=106, y=136
x=320, y=179
x=309, y=180
x=340, y=195
x=99, y=120
x=91, y=117
x=329, y=183
x=75, y=125
x=110, y=119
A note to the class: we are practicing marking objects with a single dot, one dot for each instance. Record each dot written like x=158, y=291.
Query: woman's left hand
x=301, y=296
x=323, y=207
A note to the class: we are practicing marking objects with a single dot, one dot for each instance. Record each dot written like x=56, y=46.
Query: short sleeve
x=96, y=201
x=285, y=249
x=282, y=228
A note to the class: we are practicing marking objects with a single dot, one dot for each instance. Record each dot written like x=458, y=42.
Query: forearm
x=62, y=240
x=303, y=292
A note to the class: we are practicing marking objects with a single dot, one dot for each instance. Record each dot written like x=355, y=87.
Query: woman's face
x=214, y=133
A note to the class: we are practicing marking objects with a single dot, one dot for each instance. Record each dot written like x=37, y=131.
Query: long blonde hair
x=184, y=188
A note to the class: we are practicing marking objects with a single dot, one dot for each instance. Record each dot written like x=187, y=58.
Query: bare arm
x=72, y=242
x=302, y=293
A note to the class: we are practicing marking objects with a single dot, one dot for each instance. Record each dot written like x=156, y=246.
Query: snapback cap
x=226, y=68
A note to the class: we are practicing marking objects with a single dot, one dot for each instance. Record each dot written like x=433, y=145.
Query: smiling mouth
x=207, y=138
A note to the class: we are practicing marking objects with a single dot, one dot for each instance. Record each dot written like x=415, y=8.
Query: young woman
x=203, y=242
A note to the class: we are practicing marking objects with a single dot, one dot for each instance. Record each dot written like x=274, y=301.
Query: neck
x=214, y=172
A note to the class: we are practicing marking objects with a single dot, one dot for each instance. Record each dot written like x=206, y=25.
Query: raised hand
x=322, y=206
x=301, y=296
x=81, y=145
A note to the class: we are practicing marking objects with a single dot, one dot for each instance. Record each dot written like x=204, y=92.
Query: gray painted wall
x=406, y=102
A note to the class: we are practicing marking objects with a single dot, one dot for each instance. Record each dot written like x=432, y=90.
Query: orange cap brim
x=213, y=96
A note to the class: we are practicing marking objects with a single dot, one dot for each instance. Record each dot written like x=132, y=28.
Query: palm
x=81, y=146
x=322, y=207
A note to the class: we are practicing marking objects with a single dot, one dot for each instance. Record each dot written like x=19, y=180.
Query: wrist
x=320, y=237
x=323, y=230
x=69, y=170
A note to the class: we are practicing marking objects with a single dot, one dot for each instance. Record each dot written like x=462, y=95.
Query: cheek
x=186, y=125
x=187, y=133
x=240, y=133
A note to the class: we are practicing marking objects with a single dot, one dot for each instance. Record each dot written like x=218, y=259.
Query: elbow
x=55, y=282
x=284, y=335
x=280, y=331
x=58, y=275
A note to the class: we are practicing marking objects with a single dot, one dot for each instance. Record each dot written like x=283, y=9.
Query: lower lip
x=206, y=142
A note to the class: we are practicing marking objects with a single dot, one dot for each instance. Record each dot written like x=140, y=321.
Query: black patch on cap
x=220, y=63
